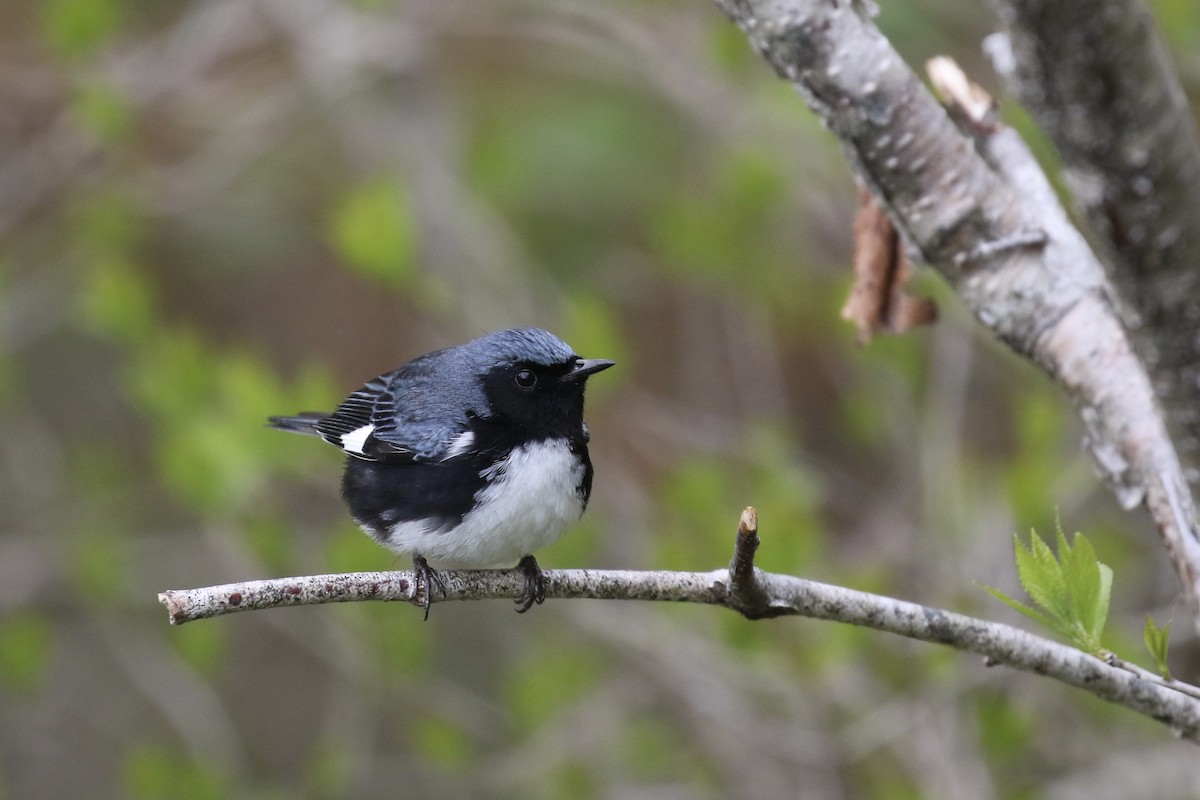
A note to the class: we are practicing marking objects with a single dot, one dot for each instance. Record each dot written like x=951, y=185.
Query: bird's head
x=533, y=380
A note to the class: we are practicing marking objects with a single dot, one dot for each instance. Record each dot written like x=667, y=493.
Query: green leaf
x=1041, y=575
x=1156, y=642
x=1072, y=590
x=1017, y=605
x=1085, y=585
x=1103, y=599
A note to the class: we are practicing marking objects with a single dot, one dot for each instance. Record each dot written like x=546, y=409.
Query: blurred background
x=211, y=212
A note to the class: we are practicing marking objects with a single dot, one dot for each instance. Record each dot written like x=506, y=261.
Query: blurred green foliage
x=884, y=779
x=1005, y=726
x=328, y=769
x=232, y=212
x=98, y=564
x=1179, y=23
x=713, y=233
x=441, y=743
x=373, y=230
x=26, y=640
x=156, y=772
x=1031, y=480
x=214, y=448
x=616, y=143
x=548, y=682
x=348, y=549
x=593, y=327
x=699, y=503
x=116, y=301
x=104, y=112
x=202, y=647
x=657, y=749
x=75, y=28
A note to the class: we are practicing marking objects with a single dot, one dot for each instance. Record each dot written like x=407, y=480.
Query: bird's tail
x=305, y=422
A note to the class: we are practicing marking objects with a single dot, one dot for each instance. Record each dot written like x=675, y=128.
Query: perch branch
x=742, y=588
x=968, y=196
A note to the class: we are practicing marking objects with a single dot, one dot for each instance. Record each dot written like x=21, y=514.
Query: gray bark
x=1096, y=77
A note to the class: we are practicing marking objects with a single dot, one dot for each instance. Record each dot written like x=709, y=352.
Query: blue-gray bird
x=474, y=456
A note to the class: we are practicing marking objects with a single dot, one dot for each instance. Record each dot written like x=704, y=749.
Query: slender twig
x=1145, y=674
x=743, y=588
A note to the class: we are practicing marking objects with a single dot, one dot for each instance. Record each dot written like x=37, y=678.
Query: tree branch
x=977, y=206
x=742, y=588
x=1099, y=82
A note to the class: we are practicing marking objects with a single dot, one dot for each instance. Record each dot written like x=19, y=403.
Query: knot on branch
x=747, y=595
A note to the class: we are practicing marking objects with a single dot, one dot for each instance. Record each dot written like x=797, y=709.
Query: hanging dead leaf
x=878, y=300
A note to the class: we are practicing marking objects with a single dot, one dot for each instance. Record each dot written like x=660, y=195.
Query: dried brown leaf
x=878, y=299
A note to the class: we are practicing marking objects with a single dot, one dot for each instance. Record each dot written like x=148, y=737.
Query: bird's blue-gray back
x=436, y=405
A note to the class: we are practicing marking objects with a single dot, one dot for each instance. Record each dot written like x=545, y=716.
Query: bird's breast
x=527, y=501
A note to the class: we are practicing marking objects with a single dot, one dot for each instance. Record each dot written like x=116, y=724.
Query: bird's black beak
x=584, y=367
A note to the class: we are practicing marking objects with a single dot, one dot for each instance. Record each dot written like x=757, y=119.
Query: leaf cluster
x=1071, y=591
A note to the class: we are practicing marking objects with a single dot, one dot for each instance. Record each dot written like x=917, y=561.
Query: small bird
x=473, y=456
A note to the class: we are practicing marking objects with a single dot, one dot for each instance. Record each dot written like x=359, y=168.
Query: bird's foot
x=427, y=580
x=535, y=585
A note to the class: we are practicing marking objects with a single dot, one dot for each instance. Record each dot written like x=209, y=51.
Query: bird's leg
x=535, y=585
x=427, y=579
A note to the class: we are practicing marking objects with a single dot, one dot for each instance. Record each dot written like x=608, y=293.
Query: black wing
x=354, y=424
x=377, y=423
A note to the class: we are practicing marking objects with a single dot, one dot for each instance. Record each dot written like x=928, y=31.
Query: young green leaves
x=1071, y=590
x=1156, y=642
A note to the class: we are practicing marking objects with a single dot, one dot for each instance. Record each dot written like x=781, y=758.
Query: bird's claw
x=535, y=585
x=427, y=579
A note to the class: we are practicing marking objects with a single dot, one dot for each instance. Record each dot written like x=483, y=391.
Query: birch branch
x=977, y=207
x=1098, y=80
x=742, y=588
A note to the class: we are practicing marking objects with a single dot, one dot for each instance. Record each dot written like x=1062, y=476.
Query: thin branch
x=742, y=588
x=975, y=204
x=1141, y=672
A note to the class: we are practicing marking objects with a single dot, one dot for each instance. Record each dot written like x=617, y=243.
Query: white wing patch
x=459, y=444
x=353, y=441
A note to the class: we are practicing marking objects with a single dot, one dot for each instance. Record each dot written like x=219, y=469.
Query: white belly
x=529, y=501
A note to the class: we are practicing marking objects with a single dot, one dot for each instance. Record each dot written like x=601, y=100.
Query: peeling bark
x=1097, y=78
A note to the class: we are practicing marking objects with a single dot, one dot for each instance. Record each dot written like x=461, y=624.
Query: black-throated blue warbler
x=472, y=456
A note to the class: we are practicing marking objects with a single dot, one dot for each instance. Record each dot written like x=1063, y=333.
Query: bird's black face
x=541, y=401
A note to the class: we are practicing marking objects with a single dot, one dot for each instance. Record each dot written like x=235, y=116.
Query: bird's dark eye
x=526, y=379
